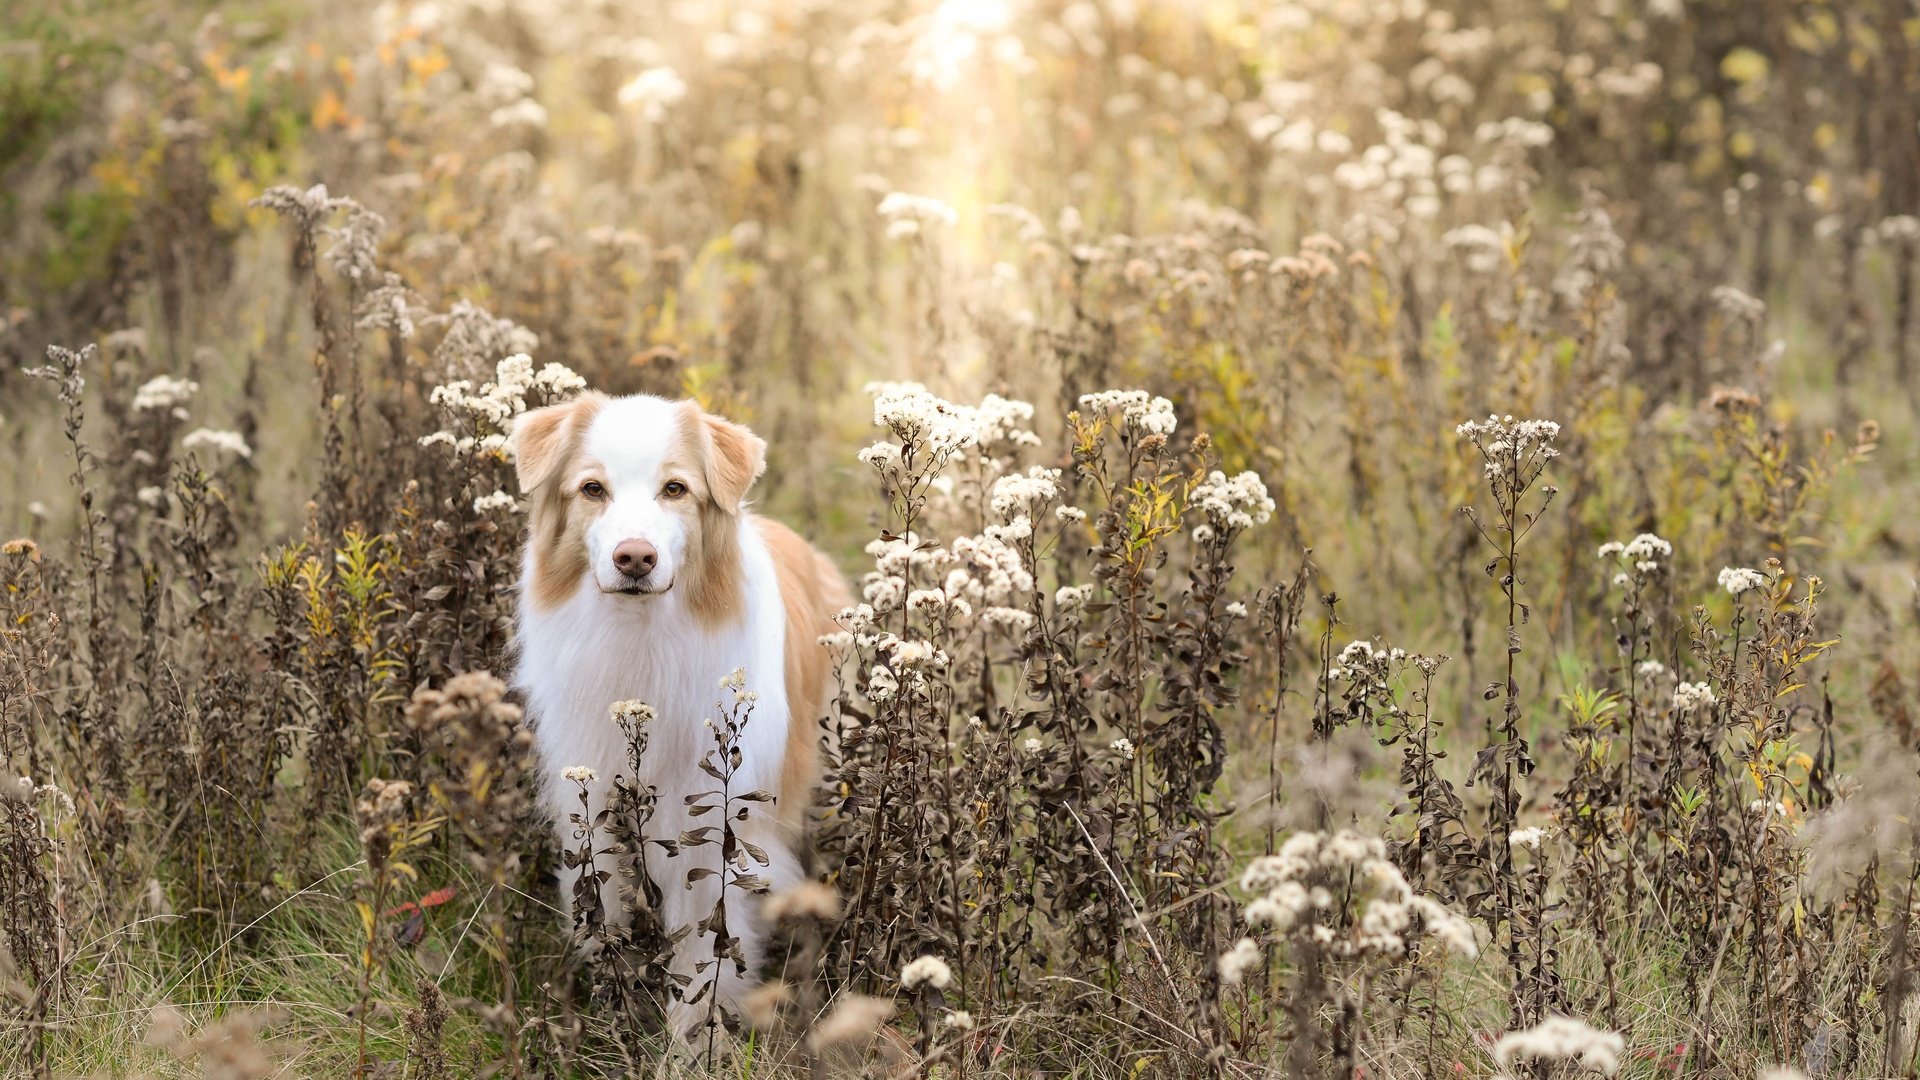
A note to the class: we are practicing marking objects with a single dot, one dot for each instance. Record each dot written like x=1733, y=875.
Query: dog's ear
x=541, y=438
x=736, y=459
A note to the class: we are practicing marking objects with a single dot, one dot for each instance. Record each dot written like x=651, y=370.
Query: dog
x=645, y=576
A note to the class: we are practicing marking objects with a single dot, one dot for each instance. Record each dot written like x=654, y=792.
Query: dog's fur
x=730, y=590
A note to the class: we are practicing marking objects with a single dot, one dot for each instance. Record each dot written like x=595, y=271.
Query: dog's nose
x=635, y=558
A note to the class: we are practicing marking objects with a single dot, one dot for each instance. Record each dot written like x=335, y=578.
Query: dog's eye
x=593, y=489
x=674, y=489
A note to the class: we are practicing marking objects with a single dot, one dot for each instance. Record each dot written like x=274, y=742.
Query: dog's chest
x=574, y=670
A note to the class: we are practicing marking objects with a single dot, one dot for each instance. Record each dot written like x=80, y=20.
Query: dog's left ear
x=541, y=437
x=736, y=459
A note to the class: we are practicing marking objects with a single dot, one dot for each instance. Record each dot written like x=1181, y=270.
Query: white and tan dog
x=645, y=577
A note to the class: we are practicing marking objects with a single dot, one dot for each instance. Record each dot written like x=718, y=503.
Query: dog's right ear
x=541, y=438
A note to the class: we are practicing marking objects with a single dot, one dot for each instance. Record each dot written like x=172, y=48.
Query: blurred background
x=1329, y=230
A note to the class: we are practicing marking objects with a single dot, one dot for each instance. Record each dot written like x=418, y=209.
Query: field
x=1386, y=529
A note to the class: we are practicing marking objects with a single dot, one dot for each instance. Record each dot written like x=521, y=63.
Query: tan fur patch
x=716, y=589
x=546, y=447
x=812, y=591
x=738, y=458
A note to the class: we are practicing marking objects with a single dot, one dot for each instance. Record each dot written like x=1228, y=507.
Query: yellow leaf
x=1744, y=65
x=328, y=112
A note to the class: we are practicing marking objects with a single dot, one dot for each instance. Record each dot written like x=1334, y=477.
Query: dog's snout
x=635, y=558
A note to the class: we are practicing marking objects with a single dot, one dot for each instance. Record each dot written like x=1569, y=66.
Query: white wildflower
x=926, y=971
x=632, y=711
x=1072, y=597
x=1529, y=837
x=1237, y=961
x=652, y=91
x=164, y=392
x=499, y=500
x=1737, y=580
x=919, y=209
x=1139, y=410
x=1690, y=697
x=526, y=113
x=578, y=774
x=231, y=442
x=1016, y=493
x=1233, y=503
x=1013, y=619
x=1124, y=747
x=1562, y=1038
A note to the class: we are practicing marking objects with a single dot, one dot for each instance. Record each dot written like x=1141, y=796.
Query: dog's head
x=634, y=497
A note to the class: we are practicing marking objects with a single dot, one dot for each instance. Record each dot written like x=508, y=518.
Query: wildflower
x=958, y=1020
x=526, y=113
x=1031, y=746
x=1124, y=747
x=1150, y=415
x=164, y=392
x=228, y=441
x=1737, y=580
x=1527, y=838
x=1562, y=1038
x=926, y=971
x=1266, y=911
x=559, y=379
x=1689, y=697
x=734, y=680
x=1237, y=961
x=882, y=455
x=1502, y=438
x=1072, y=597
x=899, y=207
x=578, y=774
x=1069, y=515
x=499, y=500
x=1012, y=618
x=1735, y=304
x=632, y=711
x=1014, y=492
x=1236, y=610
x=1236, y=503
x=1645, y=547
x=930, y=424
x=652, y=91
x=881, y=685
x=909, y=654
x=1453, y=930
x=1650, y=669
x=20, y=545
